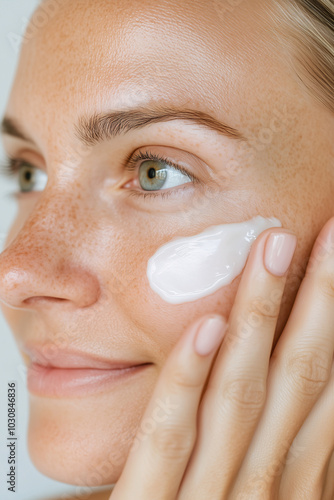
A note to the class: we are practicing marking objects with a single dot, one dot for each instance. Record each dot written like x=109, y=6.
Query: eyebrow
x=99, y=127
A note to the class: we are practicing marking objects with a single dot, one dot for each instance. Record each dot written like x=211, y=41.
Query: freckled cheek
x=160, y=321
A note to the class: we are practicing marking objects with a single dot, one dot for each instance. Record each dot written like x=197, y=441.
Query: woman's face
x=73, y=274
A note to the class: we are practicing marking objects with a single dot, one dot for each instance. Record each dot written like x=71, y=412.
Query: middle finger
x=235, y=395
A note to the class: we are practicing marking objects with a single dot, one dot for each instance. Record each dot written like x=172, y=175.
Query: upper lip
x=50, y=355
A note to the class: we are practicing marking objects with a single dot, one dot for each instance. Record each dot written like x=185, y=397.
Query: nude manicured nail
x=210, y=335
x=279, y=251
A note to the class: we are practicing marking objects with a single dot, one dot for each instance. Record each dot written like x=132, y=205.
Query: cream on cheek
x=187, y=269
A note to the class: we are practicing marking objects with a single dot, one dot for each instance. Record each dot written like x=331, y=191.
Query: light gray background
x=31, y=485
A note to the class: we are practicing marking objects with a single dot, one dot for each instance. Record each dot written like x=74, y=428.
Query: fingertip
x=210, y=334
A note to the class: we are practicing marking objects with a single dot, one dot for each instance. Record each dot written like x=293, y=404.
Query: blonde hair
x=306, y=28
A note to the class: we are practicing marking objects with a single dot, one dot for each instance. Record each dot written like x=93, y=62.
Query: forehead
x=92, y=56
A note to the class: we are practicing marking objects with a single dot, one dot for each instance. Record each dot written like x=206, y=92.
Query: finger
x=328, y=493
x=236, y=389
x=299, y=370
x=306, y=465
x=161, y=449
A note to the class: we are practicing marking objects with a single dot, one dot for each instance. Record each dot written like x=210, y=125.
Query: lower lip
x=76, y=382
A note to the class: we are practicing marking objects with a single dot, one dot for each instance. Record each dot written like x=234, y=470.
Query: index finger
x=164, y=442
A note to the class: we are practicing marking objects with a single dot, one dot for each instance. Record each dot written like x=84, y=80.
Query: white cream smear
x=192, y=267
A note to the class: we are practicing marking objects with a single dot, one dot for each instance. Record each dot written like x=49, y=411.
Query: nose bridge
x=42, y=258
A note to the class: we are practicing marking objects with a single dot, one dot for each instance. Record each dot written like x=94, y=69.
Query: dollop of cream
x=189, y=268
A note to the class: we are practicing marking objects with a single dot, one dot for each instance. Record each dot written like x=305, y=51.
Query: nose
x=46, y=264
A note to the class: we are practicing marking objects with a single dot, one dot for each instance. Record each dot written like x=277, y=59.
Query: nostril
x=40, y=299
x=28, y=282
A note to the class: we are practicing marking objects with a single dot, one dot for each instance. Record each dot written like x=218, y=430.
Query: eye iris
x=152, y=175
x=26, y=178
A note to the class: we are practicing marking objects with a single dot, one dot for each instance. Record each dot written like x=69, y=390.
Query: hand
x=239, y=423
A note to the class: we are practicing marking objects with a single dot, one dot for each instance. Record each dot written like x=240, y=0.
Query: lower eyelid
x=161, y=193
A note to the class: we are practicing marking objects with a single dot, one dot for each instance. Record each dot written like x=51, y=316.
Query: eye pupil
x=151, y=173
x=27, y=176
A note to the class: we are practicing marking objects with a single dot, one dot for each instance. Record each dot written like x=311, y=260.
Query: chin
x=85, y=441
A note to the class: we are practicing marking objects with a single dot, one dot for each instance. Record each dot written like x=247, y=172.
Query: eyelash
x=11, y=166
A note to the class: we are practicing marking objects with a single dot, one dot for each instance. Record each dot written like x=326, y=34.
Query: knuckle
x=179, y=376
x=173, y=442
x=245, y=396
x=260, y=311
x=308, y=371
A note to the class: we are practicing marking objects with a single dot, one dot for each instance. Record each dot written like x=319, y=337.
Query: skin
x=86, y=241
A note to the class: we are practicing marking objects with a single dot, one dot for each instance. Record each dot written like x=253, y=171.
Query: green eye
x=155, y=175
x=31, y=178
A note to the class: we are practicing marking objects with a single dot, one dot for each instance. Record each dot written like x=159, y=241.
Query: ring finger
x=299, y=370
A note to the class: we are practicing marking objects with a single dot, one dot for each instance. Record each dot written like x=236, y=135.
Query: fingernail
x=279, y=251
x=209, y=335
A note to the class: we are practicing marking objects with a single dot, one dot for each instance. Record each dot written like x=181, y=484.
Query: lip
x=68, y=373
x=50, y=355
